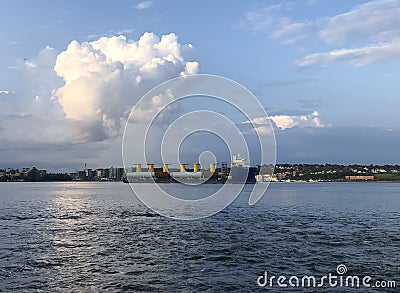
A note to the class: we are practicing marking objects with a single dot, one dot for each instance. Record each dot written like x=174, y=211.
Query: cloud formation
x=144, y=5
x=74, y=102
x=373, y=28
x=104, y=78
x=268, y=21
x=375, y=20
x=358, y=56
x=283, y=122
x=371, y=32
x=30, y=114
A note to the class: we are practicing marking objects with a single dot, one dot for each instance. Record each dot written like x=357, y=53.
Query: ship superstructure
x=241, y=172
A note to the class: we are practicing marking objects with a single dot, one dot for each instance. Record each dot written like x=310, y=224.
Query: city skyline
x=325, y=72
x=282, y=172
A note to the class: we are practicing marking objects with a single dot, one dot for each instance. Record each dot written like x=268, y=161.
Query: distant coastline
x=282, y=173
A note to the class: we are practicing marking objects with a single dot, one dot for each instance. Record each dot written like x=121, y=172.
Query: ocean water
x=97, y=237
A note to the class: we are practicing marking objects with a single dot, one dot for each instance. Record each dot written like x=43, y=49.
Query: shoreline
x=261, y=182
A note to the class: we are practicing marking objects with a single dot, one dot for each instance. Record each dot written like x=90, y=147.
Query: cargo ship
x=240, y=172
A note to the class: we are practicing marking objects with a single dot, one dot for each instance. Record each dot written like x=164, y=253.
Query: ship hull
x=246, y=175
x=172, y=180
x=239, y=175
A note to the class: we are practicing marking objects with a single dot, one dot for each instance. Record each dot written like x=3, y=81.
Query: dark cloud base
x=341, y=145
x=336, y=145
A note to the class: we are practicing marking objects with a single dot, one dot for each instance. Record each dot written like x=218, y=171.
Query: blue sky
x=326, y=71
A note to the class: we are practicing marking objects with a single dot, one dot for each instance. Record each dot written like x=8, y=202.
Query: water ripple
x=101, y=239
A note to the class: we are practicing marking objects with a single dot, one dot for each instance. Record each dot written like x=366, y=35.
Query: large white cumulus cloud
x=104, y=78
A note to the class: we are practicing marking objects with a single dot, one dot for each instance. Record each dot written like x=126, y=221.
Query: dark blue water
x=97, y=237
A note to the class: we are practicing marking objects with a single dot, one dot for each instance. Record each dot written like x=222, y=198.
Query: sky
x=326, y=72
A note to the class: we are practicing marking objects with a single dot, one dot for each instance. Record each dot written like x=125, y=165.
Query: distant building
x=73, y=175
x=101, y=174
x=266, y=178
x=81, y=175
x=282, y=176
x=116, y=174
x=359, y=178
x=31, y=174
x=89, y=174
